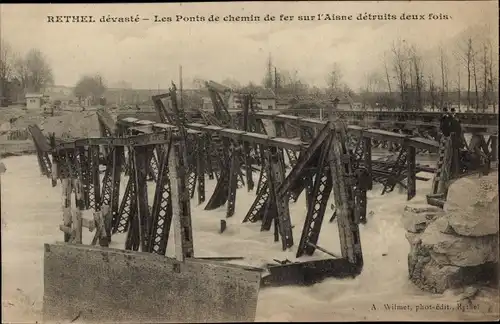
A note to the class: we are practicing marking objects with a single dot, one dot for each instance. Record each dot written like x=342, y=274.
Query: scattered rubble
x=74, y=125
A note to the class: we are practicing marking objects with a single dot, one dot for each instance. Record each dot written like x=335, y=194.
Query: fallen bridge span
x=177, y=155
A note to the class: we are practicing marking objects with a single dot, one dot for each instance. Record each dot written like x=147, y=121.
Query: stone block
x=460, y=250
x=110, y=285
x=416, y=217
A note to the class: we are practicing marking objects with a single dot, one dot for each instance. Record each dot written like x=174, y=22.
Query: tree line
x=91, y=86
x=23, y=73
x=461, y=74
x=32, y=72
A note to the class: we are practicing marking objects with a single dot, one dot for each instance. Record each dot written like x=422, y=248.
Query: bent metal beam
x=416, y=142
x=94, y=284
x=278, y=142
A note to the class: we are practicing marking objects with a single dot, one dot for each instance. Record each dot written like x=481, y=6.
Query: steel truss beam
x=398, y=138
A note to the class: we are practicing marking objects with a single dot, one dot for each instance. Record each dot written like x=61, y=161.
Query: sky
x=147, y=54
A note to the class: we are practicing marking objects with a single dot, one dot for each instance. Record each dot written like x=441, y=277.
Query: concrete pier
x=109, y=285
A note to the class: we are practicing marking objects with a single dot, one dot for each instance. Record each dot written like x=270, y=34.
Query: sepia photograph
x=293, y=161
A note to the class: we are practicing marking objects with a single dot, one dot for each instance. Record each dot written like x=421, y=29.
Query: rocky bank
x=455, y=246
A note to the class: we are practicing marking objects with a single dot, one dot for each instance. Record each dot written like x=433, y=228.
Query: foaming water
x=32, y=213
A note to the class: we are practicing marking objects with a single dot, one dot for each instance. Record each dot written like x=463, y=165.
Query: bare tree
x=5, y=66
x=334, y=79
x=457, y=59
x=20, y=69
x=33, y=71
x=416, y=64
x=291, y=83
x=443, y=64
x=277, y=81
x=474, y=73
x=387, y=77
x=491, y=81
x=373, y=82
x=467, y=59
x=300, y=88
x=39, y=71
x=346, y=89
x=400, y=68
x=365, y=92
x=315, y=92
x=432, y=92
x=268, y=81
x=485, y=70
x=90, y=86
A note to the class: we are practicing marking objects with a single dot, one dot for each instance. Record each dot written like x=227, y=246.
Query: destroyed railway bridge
x=177, y=154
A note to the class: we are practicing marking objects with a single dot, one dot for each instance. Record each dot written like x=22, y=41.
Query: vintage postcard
x=249, y=161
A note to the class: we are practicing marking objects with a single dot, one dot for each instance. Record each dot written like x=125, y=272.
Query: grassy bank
x=16, y=148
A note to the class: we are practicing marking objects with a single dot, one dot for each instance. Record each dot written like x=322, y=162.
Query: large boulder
x=472, y=205
x=458, y=250
x=437, y=278
x=428, y=274
x=416, y=217
x=436, y=272
x=456, y=246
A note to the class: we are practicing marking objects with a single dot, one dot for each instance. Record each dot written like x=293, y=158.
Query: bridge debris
x=175, y=151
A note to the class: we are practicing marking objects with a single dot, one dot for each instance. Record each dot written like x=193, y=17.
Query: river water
x=31, y=214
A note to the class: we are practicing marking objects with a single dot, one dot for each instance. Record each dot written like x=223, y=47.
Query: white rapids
x=31, y=215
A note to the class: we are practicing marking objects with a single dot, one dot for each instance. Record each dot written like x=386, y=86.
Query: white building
x=34, y=101
x=207, y=103
x=264, y=99
x=341, y=101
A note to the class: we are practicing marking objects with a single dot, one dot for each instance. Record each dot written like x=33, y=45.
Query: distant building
x=62, y=93
x=34, y=101
x=207, y=104
x=359, y=106
x=341, y=101
x=59, y=90
x=283, y=104
x=266, y=99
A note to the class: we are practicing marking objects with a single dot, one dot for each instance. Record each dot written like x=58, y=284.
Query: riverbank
x=16, y=148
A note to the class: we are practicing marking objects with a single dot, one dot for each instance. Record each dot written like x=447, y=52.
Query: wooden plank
x=367, y=159
x=107, y=120
x=494, y=148
x=142, y=129
x=40, y=140
x=412, y=172
x=344, y=199
x=423, y=143
x=181, y=211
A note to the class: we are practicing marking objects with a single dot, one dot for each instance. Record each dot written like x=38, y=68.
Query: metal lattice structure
x=327, y=159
